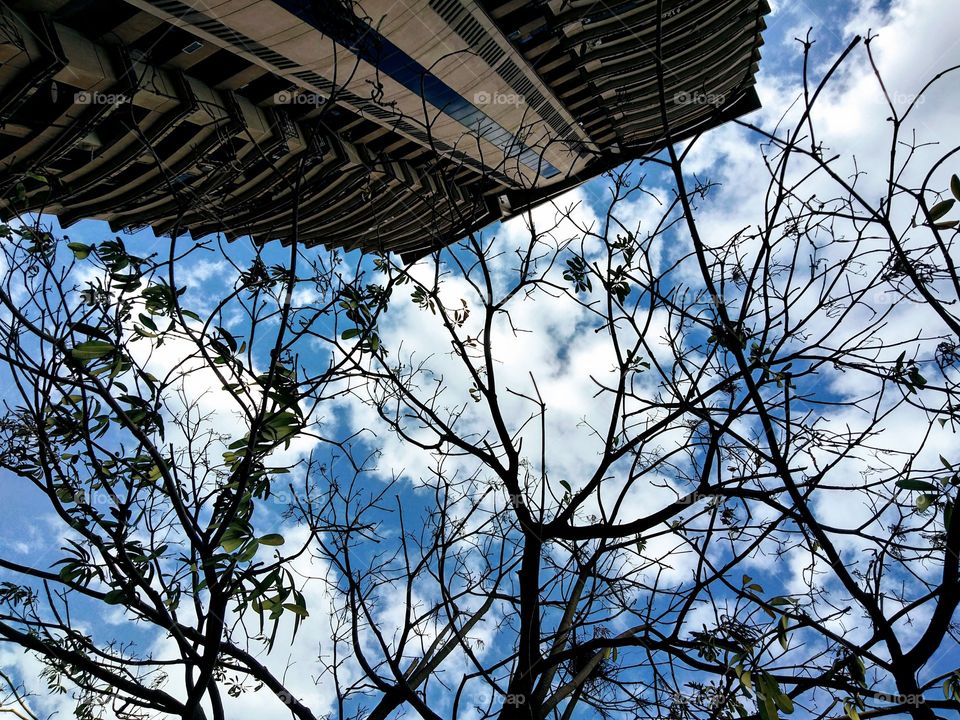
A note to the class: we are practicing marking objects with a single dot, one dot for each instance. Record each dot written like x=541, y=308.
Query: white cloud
x=555, y=339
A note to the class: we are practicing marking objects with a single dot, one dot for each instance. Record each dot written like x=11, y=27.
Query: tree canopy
x=618, y=461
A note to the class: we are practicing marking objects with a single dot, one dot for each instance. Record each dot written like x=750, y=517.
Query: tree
x=630, y=557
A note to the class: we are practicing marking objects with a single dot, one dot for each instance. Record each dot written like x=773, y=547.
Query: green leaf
x=115, y=597
x=941, y=209
x=349, y=333
x=66, y=494
x=91, y=350
x=916, y=379
x=951, y=686
x=249, y=551
x=232, y=543
x=90, y=330
x=768, y=709
x=282, y=420
x=924, y=502
x=298, y=609
x=148, y=322
x=770, y=693
x=955, y=186
x=858, y=671
x=783, y=702
x=281, y=426
x=229, y=339
x=272, y=539
x=80, y=250
x=919, y=485
x=947, y=224
x=565, y=485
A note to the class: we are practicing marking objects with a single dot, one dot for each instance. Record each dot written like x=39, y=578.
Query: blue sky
x=916, y=37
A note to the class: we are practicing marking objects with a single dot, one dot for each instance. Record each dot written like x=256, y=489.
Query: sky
x=915, y=38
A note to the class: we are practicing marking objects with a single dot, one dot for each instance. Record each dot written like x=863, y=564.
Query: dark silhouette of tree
x=493, y=584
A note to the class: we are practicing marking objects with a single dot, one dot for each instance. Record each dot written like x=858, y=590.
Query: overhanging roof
x=408, y=125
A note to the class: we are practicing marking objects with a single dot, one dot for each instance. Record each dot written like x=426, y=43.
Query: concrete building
x=381, y=125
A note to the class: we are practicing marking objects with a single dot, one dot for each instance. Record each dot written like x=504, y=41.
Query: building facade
x=373, y=124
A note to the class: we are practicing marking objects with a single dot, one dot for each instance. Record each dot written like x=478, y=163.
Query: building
x=394, y=126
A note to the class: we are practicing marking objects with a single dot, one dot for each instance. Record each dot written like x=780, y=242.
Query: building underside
x=376, y=125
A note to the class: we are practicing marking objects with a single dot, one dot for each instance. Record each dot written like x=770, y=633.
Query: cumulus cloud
x=554, y=339
x=910, y=40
